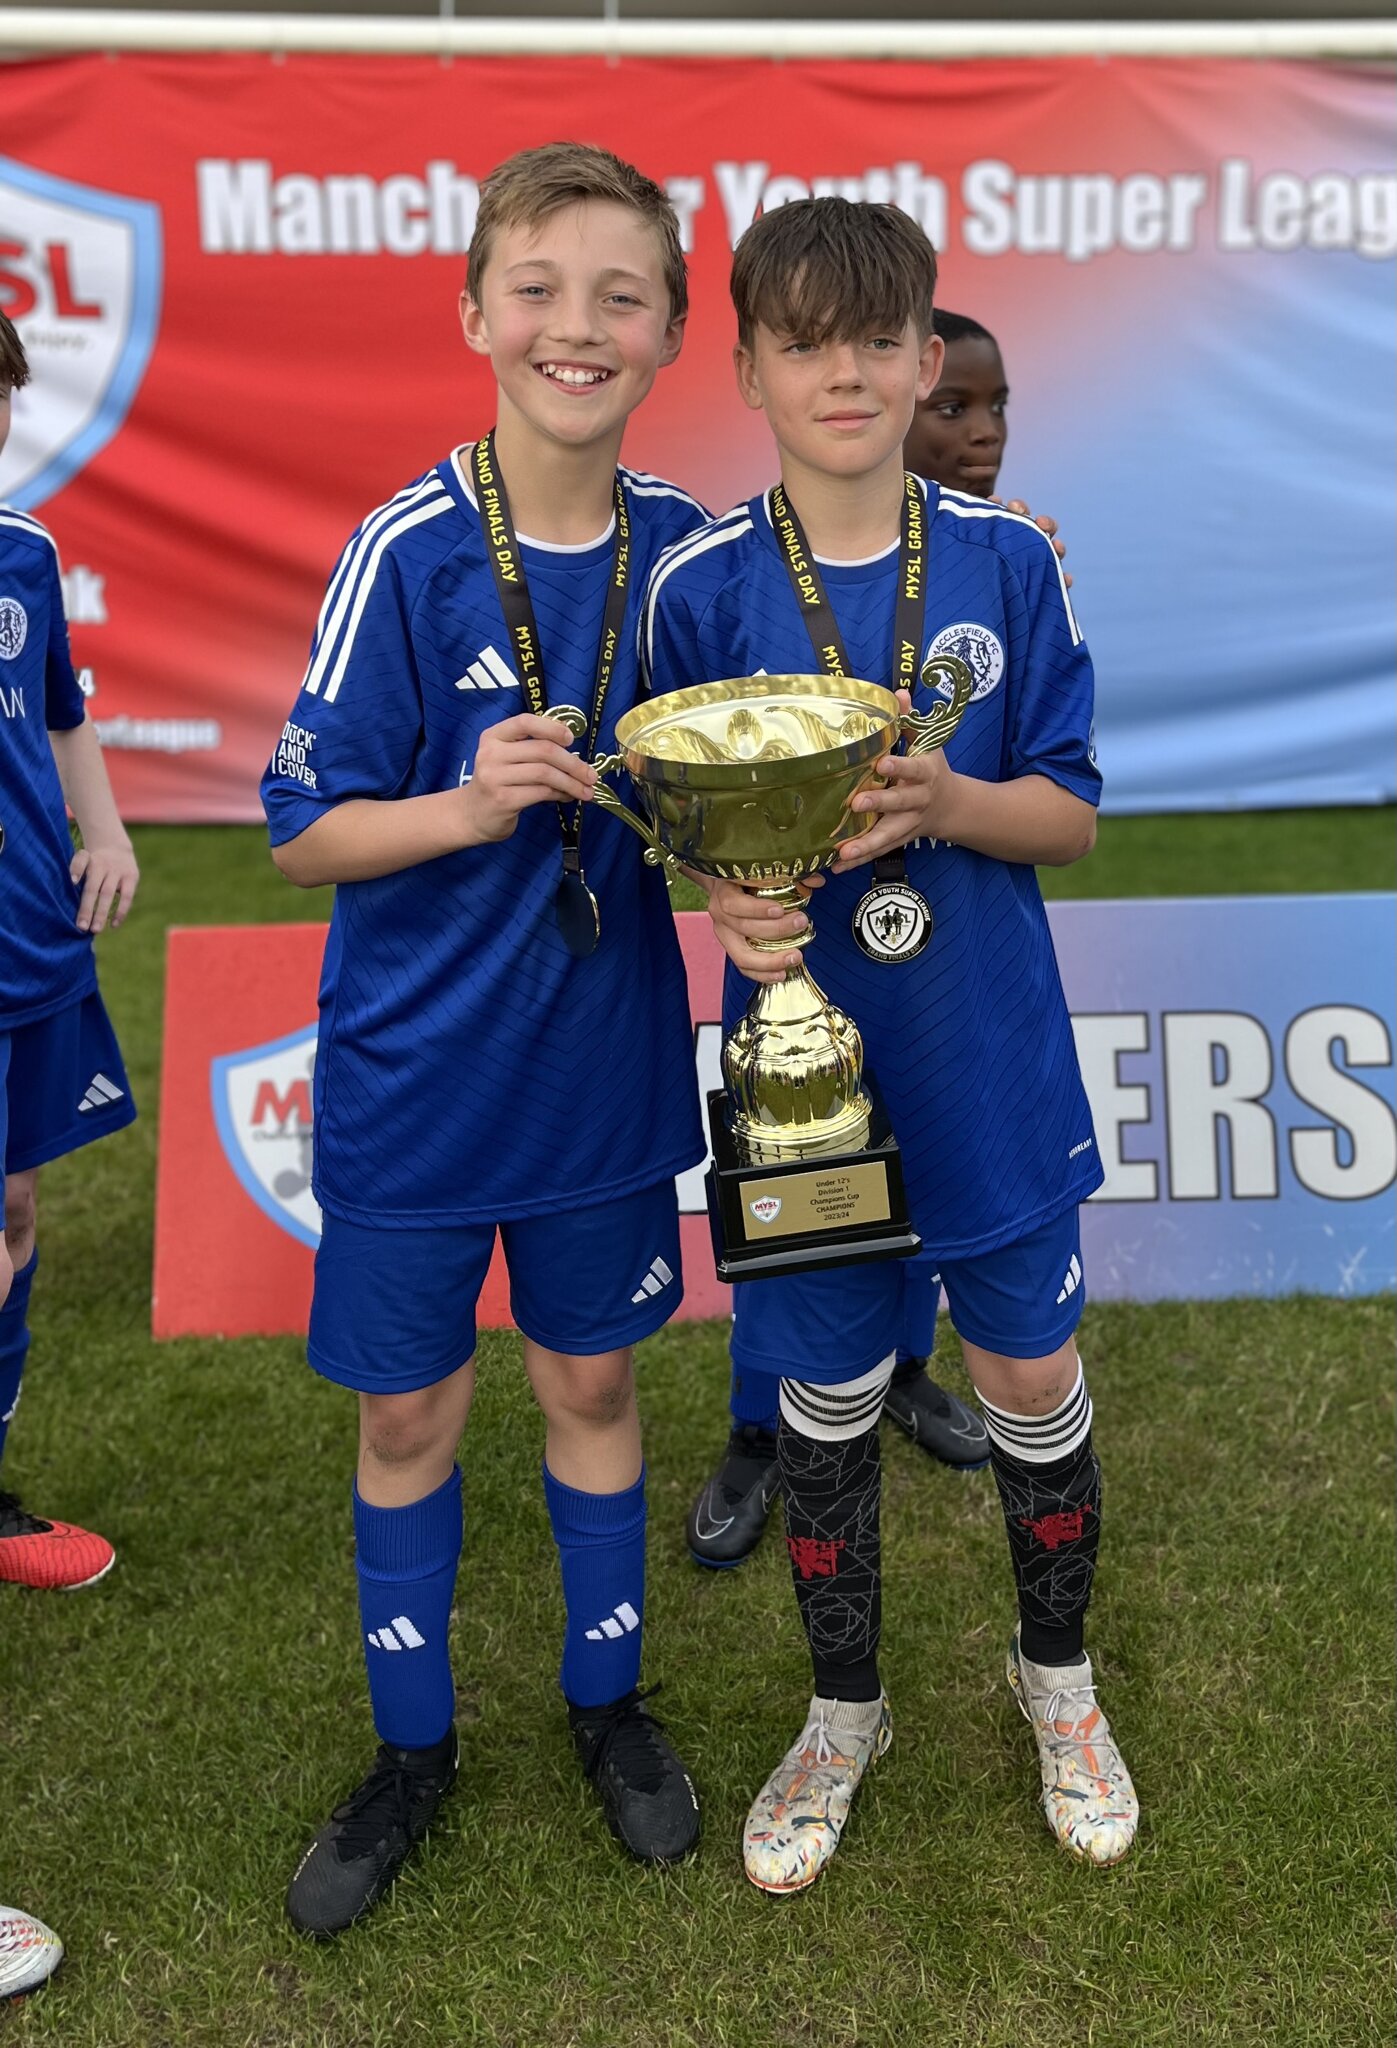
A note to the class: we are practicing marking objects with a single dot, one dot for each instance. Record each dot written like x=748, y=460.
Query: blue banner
x=1214, y=426
x=1238, y=1055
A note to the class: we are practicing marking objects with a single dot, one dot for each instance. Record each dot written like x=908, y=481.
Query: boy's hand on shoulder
x=109, y=877
x=1045, y=524
x=740, y=917
x=522, y=760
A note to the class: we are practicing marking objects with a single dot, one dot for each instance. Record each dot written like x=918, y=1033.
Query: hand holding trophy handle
x=571, y=717
x=656, y=854
x=927, y=730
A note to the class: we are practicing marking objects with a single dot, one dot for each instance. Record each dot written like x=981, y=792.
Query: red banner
x=236, y=1224
x=237, y=280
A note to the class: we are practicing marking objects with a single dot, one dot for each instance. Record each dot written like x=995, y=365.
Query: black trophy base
x=845, y=1209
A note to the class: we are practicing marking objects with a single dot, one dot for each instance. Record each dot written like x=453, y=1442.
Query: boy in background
x=966, y=1034
x=62, y=1081
x=957, y=439
x=960, y=429
x=504, y=1037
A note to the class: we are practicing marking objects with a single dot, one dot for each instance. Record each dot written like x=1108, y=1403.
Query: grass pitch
x=169, y=1739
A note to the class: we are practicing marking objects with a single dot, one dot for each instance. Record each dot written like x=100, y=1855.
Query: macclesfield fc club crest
x=981, y=650
x=263, y=1107
x=80, y=276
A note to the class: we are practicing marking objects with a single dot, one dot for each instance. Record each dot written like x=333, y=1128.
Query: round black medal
x=892, y=922
x=579, y=919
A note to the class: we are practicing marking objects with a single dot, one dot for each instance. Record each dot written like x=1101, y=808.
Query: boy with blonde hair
x=504, y=1027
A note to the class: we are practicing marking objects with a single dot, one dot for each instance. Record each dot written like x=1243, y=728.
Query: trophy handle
x=925, y=731
x=657, y=854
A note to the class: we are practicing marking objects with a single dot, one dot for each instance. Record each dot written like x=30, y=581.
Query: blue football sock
x=601, y=1547
x=14, y=1342
x=755, y=1397
x=407, y=1560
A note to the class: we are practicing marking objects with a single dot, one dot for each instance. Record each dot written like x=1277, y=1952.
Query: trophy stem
x=794, y=1069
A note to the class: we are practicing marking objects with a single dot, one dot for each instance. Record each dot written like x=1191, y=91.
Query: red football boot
x=53, y=1556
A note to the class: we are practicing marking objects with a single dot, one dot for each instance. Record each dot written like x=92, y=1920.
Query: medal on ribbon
x=892, y=922
x=575, y=908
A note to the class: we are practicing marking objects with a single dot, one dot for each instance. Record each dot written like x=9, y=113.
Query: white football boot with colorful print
x=796, y=1820
x=1088, y=1799
x=29, y=1953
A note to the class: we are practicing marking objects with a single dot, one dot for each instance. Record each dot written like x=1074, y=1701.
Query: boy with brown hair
x=965, y=1028
x=504, y=1025
x=957, y=438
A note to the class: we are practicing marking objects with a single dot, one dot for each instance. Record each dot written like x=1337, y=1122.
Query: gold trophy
x=753, y=780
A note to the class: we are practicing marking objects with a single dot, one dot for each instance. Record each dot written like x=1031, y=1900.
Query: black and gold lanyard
x=575, y=906
x=815, y=607
x=822, y=626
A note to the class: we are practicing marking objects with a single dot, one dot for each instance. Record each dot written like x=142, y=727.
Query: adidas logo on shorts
x=659, y=1276
x=100, y=1092
x=1072, y=1281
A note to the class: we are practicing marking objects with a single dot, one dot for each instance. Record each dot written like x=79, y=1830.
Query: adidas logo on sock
x=659, y=1276
x=618, y=1623
x=489, y=671
x=407, y=1637
x=100, y=1092
x=1072, y=1282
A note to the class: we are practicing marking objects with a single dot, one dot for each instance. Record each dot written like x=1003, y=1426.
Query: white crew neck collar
x=530, y=540
x=846, y=561
x=858, y=561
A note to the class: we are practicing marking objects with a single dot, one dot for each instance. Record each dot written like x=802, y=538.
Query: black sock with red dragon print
x=1050, y=1489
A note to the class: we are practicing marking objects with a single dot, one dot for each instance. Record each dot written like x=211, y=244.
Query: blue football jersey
x=470, y=1069
x=969, y=1043
x=45, y=961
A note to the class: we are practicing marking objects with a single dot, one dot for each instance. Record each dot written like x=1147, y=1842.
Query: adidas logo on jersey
x=402, y=1635
x=100, y=1092
x=659, y=1276
x=489, y=671
x=618, y=1623
x=1072, y=1281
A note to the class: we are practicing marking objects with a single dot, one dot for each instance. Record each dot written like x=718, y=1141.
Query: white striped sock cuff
x=1042, y=1439
x=832, y=1414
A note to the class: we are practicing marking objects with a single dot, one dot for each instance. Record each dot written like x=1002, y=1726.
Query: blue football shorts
x=394, y=1309
x=62, y=1084
x=921, y=1297
x=1022, y=1301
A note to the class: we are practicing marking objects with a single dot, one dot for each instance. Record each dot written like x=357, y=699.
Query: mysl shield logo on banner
x=80, y=274
x=262, y=1105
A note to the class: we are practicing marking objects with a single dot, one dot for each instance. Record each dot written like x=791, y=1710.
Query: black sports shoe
x=937, y=1420
x=646, y=1794
x=726, y=1521
x=366, y=1841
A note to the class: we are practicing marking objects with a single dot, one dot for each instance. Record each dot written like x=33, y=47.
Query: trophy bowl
x=753, y=778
